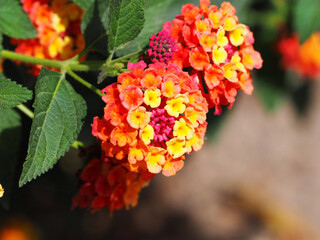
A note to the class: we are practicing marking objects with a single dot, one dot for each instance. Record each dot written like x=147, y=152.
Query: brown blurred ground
x=259, y=180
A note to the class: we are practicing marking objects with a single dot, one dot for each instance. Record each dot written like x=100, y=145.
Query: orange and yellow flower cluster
x=58, y=30
x=218, y=48
x=305, y=58
x=152, y=118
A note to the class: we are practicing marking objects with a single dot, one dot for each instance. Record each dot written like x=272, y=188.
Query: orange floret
x=123, y=135
x=170, y=87
x=131, y=97
x=213, y=75
x=137, y=152
x=139, y=118
x=207, y=40
x=150, y=79
x=199, y=59
x=172, y=166
x=115, y=113
x=190, y=12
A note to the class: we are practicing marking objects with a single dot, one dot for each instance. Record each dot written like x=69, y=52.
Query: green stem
x=23, y=108
x=72, y=64
x=126, y=57
x=84, y=82
x=26, y=111
x=86, y=66
x=24, y=58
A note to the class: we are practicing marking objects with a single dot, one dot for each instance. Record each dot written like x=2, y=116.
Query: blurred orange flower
x=303, y=59
x=59, y=35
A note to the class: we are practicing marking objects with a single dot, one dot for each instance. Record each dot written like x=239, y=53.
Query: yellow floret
x=230, y=72
x=195, y=116
x=56, y=47
x=155, y=159
x=237, y=60
x=176, y=105
x=195, y=143
x=215, y=18
x=147, y=134
x=176, y=147
x=219, y=55
x=222, y=40
x=182, y=129
x=237, y=36
x=58, y=23
x=135, y=154
x=230, y=23
x=152, y=97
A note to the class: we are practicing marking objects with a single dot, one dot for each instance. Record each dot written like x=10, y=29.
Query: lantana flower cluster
x=218, y=49
x=303, y=59
x=59, y=35
x=152, y=118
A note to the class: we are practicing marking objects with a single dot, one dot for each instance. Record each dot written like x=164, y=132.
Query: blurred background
x=256, y=178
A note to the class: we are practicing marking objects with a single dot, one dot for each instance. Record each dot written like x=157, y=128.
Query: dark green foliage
x=58, y=116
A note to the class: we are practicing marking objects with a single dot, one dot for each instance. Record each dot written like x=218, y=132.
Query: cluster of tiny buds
x=162, y=47
x=161, y=124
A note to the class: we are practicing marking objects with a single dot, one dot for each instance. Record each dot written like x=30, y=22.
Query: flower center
x=162, y=124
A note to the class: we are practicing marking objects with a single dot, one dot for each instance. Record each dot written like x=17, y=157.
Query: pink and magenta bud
x=162, y=124
x=162, y=47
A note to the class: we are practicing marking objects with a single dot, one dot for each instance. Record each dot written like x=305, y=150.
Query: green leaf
x=94, y=25
x=12, y=94
x=306, y=18
x=14, y=22
x=153, y=24
x=58, y=115
x=84, y=4
x=10, y=134
x=126, y=22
